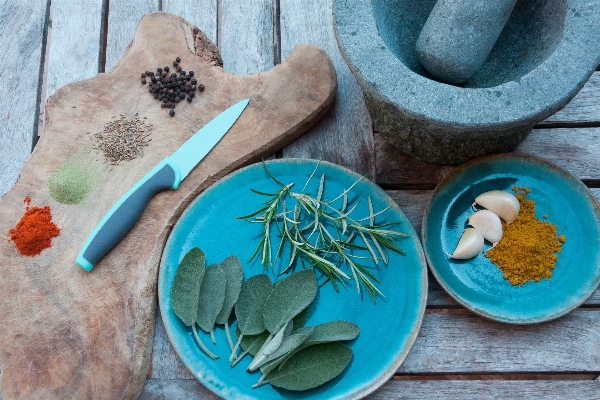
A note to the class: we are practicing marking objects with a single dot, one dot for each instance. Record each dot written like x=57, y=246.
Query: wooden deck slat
x=344, y=135
x=202, y=13
x=573, y=149
x=246, y=36
x=409, y=390
x=74, y=51
x=22, y=40
x=584, y=108
x=462, y=342
x=123, y=18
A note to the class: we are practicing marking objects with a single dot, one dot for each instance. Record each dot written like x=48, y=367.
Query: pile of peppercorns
x=172, y=88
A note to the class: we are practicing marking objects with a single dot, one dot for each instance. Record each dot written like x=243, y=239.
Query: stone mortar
x=544, y=55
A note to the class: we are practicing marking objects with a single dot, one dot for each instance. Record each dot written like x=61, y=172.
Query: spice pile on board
x=172, y=88
x=35, y=230
x=122, y=139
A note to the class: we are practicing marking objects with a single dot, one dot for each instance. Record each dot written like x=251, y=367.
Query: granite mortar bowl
x=544, y=55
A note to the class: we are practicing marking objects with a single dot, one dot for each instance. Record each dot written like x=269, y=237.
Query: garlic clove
x=489, y=224
x=469, y=245
x=504, y=204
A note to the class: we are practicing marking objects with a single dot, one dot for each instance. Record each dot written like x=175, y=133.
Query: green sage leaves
x=186, y=286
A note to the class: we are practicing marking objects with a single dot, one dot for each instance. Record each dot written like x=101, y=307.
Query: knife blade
x=167, y=174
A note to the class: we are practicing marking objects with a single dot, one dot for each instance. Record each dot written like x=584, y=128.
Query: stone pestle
x=459, y=35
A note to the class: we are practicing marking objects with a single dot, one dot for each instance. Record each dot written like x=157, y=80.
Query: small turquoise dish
x=477, y=284
x=387, y=329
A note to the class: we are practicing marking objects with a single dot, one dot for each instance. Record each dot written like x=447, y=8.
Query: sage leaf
x=288, y=298
x=249, y=308
x=251, y=304
x=235, y=275
x=271, y=345
x=253, y=343
x=212, y=294
x=186, y=286
x=312, y=367
x=288, y=345
x=328, y=332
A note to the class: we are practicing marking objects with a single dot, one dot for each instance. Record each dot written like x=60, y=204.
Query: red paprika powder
x=35, y=230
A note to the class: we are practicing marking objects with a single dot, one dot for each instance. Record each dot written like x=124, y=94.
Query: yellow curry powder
x=528, y=246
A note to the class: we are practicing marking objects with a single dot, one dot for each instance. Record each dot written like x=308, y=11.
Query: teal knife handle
x=126, y=212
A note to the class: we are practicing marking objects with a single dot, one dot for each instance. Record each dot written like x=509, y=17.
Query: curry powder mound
x=527, y=251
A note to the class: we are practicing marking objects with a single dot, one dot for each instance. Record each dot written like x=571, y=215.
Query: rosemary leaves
x=325, y=237
x=122, y=139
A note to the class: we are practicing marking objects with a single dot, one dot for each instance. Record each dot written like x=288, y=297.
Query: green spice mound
x=71, y=182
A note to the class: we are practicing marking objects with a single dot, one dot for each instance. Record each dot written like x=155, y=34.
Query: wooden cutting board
x=69, y=334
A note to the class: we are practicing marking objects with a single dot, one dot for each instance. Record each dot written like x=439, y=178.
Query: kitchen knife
x=168, y=174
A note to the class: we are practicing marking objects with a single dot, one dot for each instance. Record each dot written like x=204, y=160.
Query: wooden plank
x=22, y=41
x=246, y=35
x=202, y=13
x=574, y=149
x=493, y=389
x=75, y=46
x=413, y=203
x=166, y=364
x=462, y=342
x=344, y=136
x=177, y=389
x=426, y=389
x=123, y=18
x=584, y=108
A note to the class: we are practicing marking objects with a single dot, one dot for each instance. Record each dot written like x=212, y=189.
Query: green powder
x=72, y=182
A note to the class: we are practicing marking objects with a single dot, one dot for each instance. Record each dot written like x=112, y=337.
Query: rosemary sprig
x=323, y=235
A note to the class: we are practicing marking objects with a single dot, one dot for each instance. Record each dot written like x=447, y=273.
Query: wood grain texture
x=123, y=18
x=22, y=35
x=246, y=35
x=178, y=389
x=413, y=203
x=461, y=342
x=202, y=13
x=71, y=334
x=410, y=390
x=573, y=149
x=74, y=48
x=498, y=390
x=584, y=108
x=166, y=364
x=345, y=135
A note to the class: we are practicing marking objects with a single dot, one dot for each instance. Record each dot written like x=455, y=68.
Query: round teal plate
x=478, y=284
x=387, y=329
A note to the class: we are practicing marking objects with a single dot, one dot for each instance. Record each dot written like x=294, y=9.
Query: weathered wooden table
x=45, y=45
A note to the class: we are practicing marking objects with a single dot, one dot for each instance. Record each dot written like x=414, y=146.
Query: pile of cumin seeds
x=122, y=139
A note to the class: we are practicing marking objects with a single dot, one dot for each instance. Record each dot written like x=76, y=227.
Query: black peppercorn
x=191, y=73
x=194, y=81
x=172, y=113
x=178, y=59
x=177, y=99
x=189, y=99
x=192, y=94
x=173, y=75
x=175, y=63
x=144, y=81
x=178, y=69
x=166, y=68
x=162, y=105
x=201, y=87
x=155, y=96
x=153, y=79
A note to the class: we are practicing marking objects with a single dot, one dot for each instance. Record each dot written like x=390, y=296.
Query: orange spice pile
x=35, y=230
x=528, y=247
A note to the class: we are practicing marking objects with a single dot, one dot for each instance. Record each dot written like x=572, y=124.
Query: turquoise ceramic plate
x=477, y=283
x=387, y=329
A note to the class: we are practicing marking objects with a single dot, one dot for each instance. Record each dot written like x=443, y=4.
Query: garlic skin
x=469, y=245
x=489, y=224
x=504, y=204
